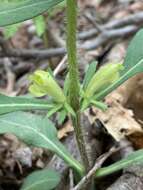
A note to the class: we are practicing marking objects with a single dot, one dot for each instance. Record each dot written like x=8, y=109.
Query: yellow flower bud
x=44, y=84
x=107, y=75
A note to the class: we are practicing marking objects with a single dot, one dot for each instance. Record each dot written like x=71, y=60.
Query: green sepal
x=55, y=109
x=89, y=73
x=85, y=104
x=61, y=116
x=99, y=105
x=50, y=71
x=69, y=109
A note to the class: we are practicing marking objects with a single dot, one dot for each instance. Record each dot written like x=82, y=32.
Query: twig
x=71, y=179
x=97, y=165
x=105, y=37
x=10, y=75
x=116, y=29
x=33, y=53
x=131, y=178
x=102, y=39
x=94, y=22
x=135, y=19
x=60, y=65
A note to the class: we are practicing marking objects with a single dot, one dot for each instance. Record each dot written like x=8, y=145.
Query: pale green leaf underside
x=37, y=131
x=44, y=180
x=11, y=104
x=133, y=64
x=32, y=129
x=134, y=158
x=11, y=13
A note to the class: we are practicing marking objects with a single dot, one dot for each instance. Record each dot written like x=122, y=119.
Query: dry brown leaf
x=118, y=120
x=130, y=95
x=67, y=128
x=20, y=39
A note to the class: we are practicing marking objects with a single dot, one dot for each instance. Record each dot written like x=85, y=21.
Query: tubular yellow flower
x=44, y=84
x=107, y=75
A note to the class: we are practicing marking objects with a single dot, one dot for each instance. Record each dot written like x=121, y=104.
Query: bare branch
x=113, y=30
x=97, y=165
x=135, y=19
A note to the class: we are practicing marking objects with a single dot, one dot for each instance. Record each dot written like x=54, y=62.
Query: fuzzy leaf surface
x=37, y=131
x=14, y=12
x=12, y=104
x=44, y=180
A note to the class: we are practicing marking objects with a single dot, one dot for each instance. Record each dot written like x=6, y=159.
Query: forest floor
x=105, y=28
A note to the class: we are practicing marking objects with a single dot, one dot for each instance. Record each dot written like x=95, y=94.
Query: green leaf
x=40, y=24
x=57, y=9
x=89, y=73
x=133, y=64
x=133, y=158
x=69, y=109
x=37, y=131
x=11, y=13
x=12, y=104
x=61, y=116
x=55, y=109
x=43, y=180
x=99, y=105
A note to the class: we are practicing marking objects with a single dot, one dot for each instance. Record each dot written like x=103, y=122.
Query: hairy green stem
x=74, y=78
